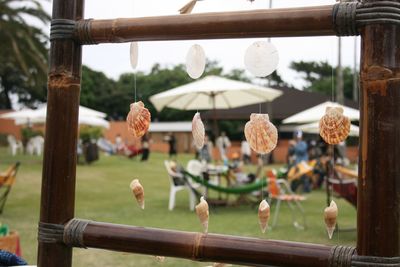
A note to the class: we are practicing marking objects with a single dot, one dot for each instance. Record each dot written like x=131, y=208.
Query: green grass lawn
x=103, y=194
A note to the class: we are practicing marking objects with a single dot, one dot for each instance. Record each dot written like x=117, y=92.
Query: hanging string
x=134, y=83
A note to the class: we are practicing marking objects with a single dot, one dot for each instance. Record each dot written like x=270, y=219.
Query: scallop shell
x=263, y=215
x=134, y=54
x=261, y=58
x=138, y=192
x=138, y=119
x=330, y=216
x=195, y=61
x=261, y=134
x=198, y=131
x=202, y=213
x=334, y=127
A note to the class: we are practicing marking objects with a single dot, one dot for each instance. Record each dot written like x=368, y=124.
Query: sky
x=113, y=59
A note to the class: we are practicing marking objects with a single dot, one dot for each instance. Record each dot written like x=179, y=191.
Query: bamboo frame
x=205, y=247
x=287, y=22
x=379, y=206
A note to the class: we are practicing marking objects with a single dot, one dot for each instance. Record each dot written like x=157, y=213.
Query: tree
x=23, y=52
x=320, y=77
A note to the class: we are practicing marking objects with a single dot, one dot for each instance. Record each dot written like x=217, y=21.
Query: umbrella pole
x=215, y=125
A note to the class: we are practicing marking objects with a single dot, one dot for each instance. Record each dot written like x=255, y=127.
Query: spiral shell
x=202, y=213
x=261, y=134
x=138, y=192
x=263, y=215
x=138, y=119
x=330, y=215
x=334, y=127
x=198, y=131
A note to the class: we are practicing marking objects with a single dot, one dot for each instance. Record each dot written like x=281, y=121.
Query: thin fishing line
x=134, y=84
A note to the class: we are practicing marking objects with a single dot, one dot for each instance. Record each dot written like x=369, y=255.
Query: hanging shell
x=330, y=216
x=138, y=192
x=187, y=9
x=198, y=131
x=134, y=54
x=202, y=213
x=138, y=119
x=263, y=215
x=334, y=127
x=195, y=61
x=261, y=58
x=160, y=258
x=261, y=134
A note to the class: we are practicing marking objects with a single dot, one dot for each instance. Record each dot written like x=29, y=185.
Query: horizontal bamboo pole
x=204, y=247
x=287, y=22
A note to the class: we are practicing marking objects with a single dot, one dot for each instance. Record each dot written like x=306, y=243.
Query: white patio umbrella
x=313, y=128
x=315, y=113
x=87, y=116
x=23, y=115
x=213, y=92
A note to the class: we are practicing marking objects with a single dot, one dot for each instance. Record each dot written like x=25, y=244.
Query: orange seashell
x=202, y=213
x=263, y=215
x=261, y=134
x=198, y=131
x=138, y=119
x=138, y=192
x=334, y=127
x=330, y=216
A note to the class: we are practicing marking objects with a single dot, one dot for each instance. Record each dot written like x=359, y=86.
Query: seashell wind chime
x=334, y=126
x=330, y=216
x=138, y=192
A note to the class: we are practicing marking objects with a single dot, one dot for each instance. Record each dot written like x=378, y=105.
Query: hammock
x=242, y=189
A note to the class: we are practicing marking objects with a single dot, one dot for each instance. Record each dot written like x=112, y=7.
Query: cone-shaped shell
x=263, y=215
x=198, y=131
x=138, y=192
x=160, y=258
x=138, y=119
x=334, y=127
x=202, y=213
x=261, y=134
x=330, y=216
x=134, y=54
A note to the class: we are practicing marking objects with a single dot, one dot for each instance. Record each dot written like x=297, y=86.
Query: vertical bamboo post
x=59, y=164
x=378, y=208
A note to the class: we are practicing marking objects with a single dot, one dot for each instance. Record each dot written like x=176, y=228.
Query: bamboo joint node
x=349, y=17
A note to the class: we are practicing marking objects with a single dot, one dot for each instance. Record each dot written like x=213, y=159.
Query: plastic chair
x=279, y=191
x=177, y=184
x=14, y=145
x=7, y=180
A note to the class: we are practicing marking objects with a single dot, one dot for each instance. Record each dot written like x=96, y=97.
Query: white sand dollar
x=134, y=54
x=261, y=58
x=195, y=61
